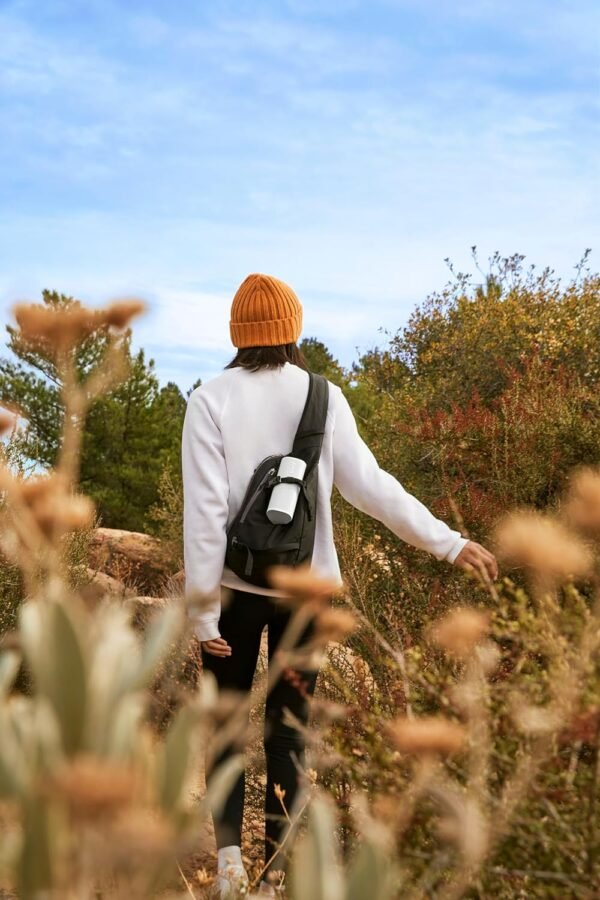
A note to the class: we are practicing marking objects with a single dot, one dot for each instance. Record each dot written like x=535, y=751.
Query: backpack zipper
x=255, y=494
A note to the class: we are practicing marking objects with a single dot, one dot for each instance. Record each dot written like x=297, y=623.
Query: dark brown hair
x=255, y=358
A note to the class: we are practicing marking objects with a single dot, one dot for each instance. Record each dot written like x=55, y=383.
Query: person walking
x=233, y=421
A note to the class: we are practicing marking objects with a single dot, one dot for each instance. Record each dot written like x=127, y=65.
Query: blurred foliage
x=91, y=802
x=76, y=546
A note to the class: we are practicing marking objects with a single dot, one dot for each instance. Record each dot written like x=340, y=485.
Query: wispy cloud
x=346, y=147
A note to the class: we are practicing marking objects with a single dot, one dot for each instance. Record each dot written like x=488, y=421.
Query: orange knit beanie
x=265, y=312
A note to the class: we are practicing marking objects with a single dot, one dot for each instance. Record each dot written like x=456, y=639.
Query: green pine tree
x=321, y=360
x=131, y=435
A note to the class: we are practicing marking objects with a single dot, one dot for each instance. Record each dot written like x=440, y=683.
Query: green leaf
x=35, y=863
x=121, y=738
x=10, y=661
x=177, y=754
x=56, y=657
x=370, y=872
x=314, y=871
x=220, y=784
x=160, y=635
x=13, y=766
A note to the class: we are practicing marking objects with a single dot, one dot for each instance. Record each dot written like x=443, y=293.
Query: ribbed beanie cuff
x=265, y=312
x=266, y=334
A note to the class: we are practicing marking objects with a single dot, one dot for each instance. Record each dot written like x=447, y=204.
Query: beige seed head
x=460, y=630
x=489, y=656
x=60, y=327
x=37, y=487
x=301, y=584
x=53, y=506
x=535, y=720
x=120, y=313
x=582, y=503
x=426, y=735
x=335, y=624
x=93, y=788
x=542, y=544
x=74, y=513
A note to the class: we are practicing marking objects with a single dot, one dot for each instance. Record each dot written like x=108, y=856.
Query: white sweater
x=236, y=419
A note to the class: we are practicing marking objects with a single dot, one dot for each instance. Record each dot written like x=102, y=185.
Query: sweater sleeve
x=205, y=511
x=369, y=488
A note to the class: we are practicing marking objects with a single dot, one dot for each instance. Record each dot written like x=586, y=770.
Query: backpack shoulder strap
x=309, y=435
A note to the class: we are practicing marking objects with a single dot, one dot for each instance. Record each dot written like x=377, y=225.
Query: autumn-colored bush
x=487, y=402
x=470, y=335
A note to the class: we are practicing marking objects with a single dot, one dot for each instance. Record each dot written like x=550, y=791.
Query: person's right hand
x=216, y=646
x=477, y=559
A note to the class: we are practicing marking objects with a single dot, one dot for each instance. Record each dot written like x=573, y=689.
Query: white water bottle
x=284, y=497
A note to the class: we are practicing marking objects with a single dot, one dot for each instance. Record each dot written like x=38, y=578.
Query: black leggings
x=241, y=624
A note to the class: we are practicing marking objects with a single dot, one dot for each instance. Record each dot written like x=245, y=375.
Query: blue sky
x=166, y=150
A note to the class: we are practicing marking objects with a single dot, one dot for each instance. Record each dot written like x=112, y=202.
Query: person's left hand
x=475, y=558
x=216, y=646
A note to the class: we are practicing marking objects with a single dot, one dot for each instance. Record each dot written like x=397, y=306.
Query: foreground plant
x=91, y=800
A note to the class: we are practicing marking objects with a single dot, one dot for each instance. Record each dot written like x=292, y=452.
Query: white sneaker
x=266, y=890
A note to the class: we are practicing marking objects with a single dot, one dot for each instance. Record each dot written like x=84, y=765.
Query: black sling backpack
x=253, y=542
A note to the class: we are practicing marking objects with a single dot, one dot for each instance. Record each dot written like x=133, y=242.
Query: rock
x=100, y=585
x=106, y=583
x=140, y=561
x=143, y=608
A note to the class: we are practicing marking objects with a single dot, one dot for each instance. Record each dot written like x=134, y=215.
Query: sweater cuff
x=207, y=630
x=455, y=549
